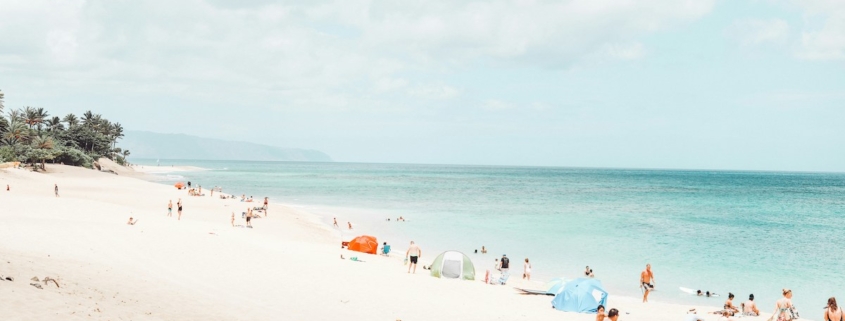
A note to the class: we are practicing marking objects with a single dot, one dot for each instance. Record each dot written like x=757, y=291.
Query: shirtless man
x=350, y=224
x=170, y=208
x=233, y=219
x=647, y=281
x=749, y=308
x=414, y=253
x=335, y=222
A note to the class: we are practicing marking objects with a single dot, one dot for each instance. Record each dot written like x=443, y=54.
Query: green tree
x=71, y=120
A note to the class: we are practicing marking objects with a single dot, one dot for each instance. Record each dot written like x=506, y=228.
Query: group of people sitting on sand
x=195, y=192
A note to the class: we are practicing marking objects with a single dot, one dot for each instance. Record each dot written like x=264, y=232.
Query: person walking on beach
x=414, y=253
x=833, y=312
x=350, y=224
x=233, y=219
x=179, y=209
x=170, y=208
x=647, y=281
x=56, y=189
x=526, y=273
x=335, y=222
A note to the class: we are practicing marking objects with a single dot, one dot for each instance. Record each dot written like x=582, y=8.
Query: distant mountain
x=142, y=144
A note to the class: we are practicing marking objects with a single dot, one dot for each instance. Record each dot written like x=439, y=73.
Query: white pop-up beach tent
x=453, y=265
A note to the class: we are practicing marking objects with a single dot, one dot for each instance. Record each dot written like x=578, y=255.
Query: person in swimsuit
x=729, y=305
x=335, y=222
x=414, y=253
x=179, y=208
x=483, y=250
x=783, y=307
x=233, y=219
x=600, y=313
x=749, y=308
x=833, y=312
x=249, y=218
x=350, y=224
x=131, y=221
x=647, y=281
x=588, y=272
x=170, y=208
x=526, y=274
x=56, y=189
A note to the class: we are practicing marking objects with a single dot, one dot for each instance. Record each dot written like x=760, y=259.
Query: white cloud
x=760, y=31
x=823, y=38
x=286, y=54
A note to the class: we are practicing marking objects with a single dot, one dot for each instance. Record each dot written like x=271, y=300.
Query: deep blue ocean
x=722, y=231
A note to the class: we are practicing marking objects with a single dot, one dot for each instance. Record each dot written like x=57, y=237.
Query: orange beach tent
x=364, y=243
x=179, y=185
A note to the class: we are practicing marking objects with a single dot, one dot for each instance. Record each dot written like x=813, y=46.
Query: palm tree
x=40, y=116
x=54, y=124
x=71, y=120
x=44, y=143
x=15, y=134
x=88, y=119
x=125, y=153
x=116, y=133
x=30, y=116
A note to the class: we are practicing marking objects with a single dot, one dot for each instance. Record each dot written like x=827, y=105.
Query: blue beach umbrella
x=556, y=285
x=581, y=295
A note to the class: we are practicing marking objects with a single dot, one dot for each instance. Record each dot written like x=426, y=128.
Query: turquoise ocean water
x=722, y=231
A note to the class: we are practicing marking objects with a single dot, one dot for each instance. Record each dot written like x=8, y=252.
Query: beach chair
x=386, y=250
x=504, y=279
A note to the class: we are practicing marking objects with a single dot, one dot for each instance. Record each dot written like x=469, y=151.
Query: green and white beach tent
x=453, y=265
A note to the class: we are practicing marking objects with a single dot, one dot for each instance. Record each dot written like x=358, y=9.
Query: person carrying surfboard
x=647, y=281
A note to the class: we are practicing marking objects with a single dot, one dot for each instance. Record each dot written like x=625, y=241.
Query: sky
x=706, y=84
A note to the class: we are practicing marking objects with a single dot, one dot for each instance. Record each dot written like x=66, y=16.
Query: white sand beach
x=287, y=267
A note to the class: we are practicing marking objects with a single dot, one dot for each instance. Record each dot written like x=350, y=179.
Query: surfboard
x=688, y=290
x=534, y=292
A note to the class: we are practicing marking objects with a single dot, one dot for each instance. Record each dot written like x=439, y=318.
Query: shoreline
x=81, y=239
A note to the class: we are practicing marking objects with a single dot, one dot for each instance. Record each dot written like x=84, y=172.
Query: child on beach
x=526, y=274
